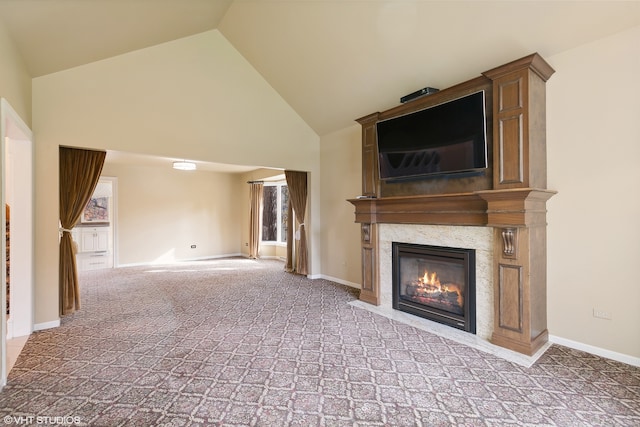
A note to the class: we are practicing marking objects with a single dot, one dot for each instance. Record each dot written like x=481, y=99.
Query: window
x=275, y=212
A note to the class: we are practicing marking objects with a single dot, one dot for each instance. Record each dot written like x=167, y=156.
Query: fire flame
x=430, y=279
x=429, y=284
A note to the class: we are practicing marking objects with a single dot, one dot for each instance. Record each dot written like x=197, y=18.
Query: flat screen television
x=447, y=138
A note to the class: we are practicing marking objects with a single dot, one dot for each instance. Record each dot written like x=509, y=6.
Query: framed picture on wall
x=96, y=211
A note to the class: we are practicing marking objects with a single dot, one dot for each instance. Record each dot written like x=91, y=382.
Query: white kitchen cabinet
x=94, y=261
x=94, y=239
x=94, y=248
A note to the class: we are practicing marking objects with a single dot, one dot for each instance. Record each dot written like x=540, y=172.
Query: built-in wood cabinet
x=511, y=198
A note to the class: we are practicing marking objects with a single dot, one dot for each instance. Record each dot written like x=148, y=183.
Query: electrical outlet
x=193, y=246
x=246, y=244
x=601, y=314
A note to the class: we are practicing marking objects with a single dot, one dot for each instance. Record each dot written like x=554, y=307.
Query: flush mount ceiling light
x=184, y=166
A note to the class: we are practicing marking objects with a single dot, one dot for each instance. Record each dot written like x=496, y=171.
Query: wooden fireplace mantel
x=444, y=209
x=519, y=207
x=510, y=197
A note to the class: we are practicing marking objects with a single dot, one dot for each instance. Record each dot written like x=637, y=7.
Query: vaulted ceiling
x=332, y=60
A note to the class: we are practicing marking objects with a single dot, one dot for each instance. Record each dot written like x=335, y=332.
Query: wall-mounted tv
x=444, y=139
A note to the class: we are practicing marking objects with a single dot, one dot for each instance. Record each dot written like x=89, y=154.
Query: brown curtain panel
x=255, y=218
x=79, y=174
x=297, y=183
x=288, y=266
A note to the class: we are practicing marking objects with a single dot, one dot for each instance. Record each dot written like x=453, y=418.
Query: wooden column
x=370, y=173
x=516, y=207
x=519, y=123
x=370, y=291
x=518, y=217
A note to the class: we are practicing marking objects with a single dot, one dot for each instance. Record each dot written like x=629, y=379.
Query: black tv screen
x=443, y=139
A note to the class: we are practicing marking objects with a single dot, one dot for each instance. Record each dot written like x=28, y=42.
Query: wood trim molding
x=534, y=62
x=510, y=291
x=517, y=207
x=444, y=209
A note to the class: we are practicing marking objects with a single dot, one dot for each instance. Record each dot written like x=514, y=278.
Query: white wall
x=162, y=212
x=194, y=98
x=593, y=133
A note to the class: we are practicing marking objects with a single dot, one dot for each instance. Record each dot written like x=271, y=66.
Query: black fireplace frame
x=466, y=257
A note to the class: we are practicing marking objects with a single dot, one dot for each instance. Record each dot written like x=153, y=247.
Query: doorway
x=95, y=233
x=16, y=144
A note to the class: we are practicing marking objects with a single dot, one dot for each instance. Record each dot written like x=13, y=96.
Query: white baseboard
x=46, y=325
x=277, y=258
x=335, y=279
x=204, y=258
x=619, y=357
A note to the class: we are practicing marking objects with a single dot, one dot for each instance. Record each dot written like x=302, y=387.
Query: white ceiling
x=332, y=60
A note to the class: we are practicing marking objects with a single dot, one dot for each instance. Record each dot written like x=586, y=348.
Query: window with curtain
x=275, y=212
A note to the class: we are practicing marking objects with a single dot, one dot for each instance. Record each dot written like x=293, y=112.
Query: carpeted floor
x=239, y=342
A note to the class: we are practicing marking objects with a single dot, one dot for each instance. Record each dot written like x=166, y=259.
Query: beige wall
x=15, y=81
x=162, y=212
x=593, y=140
x=273, y=251
x=593, y=111
x=340, y=156
x=194, y=98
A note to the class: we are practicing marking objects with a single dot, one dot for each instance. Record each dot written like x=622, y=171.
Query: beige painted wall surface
x=593, y=137
x=341, y=160
x=162, y=212
x=194, y=98
x=15, y=81
x=273, y=251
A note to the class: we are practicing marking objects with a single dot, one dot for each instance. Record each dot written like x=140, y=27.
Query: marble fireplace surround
x=468, y=237
x=478, y=238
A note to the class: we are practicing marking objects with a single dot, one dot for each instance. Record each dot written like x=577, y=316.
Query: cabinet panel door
x=88, y=241
x=101, y=240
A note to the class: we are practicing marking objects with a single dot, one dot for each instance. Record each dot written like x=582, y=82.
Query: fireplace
x=436, y=283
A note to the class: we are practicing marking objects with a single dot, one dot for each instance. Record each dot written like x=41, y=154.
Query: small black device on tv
x=417, y=94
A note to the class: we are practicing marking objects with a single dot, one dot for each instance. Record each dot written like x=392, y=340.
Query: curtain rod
x=255, y=182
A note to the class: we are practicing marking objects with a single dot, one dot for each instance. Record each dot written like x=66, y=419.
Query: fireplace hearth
x=436, y=283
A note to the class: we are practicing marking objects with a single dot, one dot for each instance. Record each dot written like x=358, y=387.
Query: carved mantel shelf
x=518, y=207
x=441, y=209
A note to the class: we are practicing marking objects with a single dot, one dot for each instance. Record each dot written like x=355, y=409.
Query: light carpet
x=239, y=342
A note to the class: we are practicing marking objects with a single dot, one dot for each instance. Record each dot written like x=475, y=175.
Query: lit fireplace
x=436, y=283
